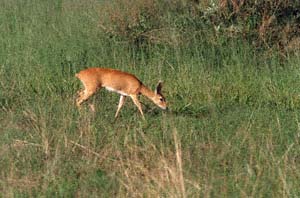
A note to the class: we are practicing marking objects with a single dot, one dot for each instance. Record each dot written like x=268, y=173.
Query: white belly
x=117, y=91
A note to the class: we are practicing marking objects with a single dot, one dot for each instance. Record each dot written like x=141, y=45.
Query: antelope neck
x=147, y=92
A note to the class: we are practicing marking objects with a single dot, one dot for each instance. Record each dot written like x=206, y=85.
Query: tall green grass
x=232, y=128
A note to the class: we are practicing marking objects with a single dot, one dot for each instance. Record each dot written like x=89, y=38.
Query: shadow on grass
x=202, y=112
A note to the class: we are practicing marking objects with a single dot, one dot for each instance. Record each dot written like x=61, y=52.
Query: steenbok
x=121, y=82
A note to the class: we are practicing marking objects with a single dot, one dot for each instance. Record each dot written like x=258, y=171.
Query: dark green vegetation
x=232, y=130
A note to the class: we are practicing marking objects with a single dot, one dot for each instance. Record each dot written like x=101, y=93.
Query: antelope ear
x=158, y=88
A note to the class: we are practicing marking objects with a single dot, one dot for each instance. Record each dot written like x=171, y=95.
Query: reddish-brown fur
x=121, y=82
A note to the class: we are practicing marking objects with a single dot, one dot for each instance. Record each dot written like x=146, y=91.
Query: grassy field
x=232, y=130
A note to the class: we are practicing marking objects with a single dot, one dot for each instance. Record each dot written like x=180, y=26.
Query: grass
x=232, y=129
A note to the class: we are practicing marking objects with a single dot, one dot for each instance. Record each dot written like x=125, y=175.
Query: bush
x=267, y=24
x=133, y=21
